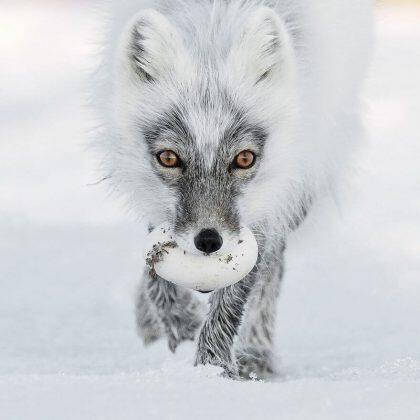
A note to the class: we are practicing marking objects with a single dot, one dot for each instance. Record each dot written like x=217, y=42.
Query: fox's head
x=204, y=113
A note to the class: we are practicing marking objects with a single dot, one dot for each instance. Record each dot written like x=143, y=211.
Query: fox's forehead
x=202, y=123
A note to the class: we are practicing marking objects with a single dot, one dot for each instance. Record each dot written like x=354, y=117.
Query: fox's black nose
x=208, y=241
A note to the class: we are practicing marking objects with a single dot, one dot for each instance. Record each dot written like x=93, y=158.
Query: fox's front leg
x=165, y=308
x=215, y=344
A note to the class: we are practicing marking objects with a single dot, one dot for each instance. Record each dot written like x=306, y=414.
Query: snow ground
x=348, y=329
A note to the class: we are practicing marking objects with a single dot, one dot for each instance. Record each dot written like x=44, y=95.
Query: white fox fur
x=295, y=66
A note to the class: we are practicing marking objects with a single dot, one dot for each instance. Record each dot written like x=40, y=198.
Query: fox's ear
x=154, y=45
x=263, y=49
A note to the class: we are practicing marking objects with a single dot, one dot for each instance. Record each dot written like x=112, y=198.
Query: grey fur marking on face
x=206, y=194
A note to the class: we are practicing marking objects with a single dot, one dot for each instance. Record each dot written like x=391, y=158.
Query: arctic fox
x=222, y=113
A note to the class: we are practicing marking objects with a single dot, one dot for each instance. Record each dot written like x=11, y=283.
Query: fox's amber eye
x=245, y=160
x=168, y=159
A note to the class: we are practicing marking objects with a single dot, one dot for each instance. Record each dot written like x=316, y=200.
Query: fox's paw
x=149, y=327
x=181, y=330
x=254, y=364
x=183, y=326
x=150, y=334
x=208, y=356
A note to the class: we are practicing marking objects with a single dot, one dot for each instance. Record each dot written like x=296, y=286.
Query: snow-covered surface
x=349, y=317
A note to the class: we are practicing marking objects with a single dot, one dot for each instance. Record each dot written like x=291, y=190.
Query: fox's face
x=205, y=157
x=198, y=125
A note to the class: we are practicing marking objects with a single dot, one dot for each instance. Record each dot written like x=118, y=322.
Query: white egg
x=199, y=271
